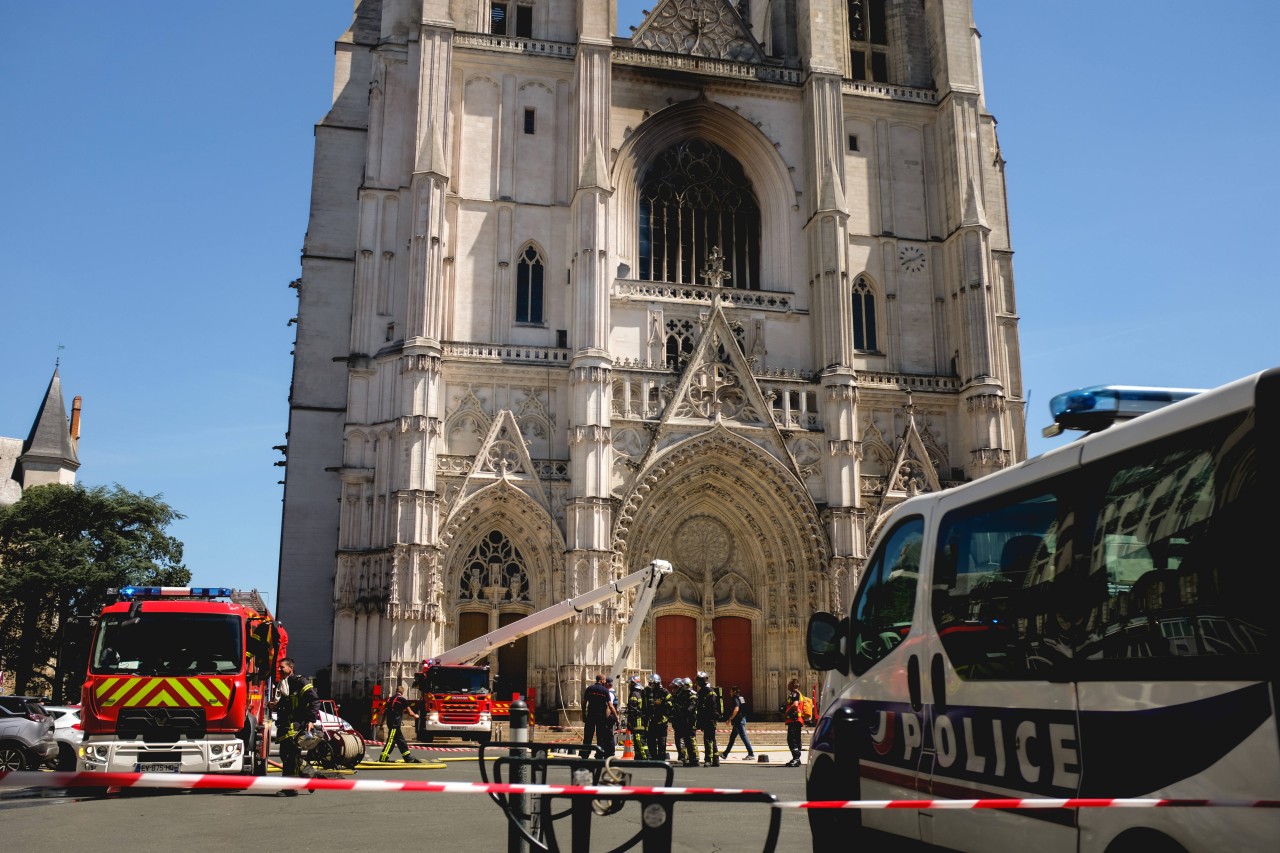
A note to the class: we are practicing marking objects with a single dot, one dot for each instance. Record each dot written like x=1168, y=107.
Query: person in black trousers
x=598, y=717
x=793, y=714
x=297, y=708
x=397, y=705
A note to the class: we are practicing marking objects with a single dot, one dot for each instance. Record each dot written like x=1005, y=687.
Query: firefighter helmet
x=308, y=739
x=654, y=678
x=634, y=681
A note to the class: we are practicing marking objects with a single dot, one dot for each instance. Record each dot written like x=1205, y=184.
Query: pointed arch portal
x=748, y=549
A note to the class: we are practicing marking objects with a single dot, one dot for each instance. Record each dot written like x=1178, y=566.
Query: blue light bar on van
x=129, y=593
x=1099, y=406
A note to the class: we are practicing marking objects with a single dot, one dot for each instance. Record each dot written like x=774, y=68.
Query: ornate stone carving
x=709, y=28
x=702, y=545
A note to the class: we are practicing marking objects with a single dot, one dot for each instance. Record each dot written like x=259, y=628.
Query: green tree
x=61, y=549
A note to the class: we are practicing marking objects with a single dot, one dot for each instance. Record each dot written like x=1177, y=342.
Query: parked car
x=67, y=732
x=26, y=734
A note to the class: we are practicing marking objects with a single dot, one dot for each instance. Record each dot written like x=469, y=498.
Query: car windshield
x=167, y=644
x=448, y=679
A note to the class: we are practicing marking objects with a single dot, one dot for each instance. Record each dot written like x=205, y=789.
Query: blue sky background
x=156, y=178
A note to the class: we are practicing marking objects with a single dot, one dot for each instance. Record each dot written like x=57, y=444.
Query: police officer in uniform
x=635, y=717
x=657, y=703
x=394, y=715
x=682, y=716
x=708, y=714
x=297, y=708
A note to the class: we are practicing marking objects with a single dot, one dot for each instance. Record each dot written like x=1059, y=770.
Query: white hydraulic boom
x=648, y=577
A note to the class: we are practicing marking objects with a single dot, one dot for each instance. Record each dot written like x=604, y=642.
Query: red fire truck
x=179, y=680
x=457, y=698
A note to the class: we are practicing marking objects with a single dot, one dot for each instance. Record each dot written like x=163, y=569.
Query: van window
x=995, y=600
x=886, y=599
x=1174, y=568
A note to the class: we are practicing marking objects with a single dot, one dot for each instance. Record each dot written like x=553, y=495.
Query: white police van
x=1100, y=621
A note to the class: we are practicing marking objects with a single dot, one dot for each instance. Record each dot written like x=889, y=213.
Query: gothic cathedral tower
x=719, y=292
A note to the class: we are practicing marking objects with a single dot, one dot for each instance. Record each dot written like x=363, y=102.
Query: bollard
x=519, y=727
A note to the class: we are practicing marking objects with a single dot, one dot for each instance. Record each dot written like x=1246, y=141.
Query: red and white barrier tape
x=227, y=782
x=1073, y=803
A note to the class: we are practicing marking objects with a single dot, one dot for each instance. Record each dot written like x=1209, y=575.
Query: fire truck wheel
x=483, y=739
x=66, y=760
x=426, y=738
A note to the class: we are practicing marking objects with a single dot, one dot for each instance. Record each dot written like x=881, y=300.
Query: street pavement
x=153, y=821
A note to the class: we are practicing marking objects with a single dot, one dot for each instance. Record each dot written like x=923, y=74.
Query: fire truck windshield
x=167, y=644
x=457, y=679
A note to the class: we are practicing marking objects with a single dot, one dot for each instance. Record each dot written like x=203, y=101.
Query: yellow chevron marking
x=205, y=692
x=124, y=688
x=104, y=686
x=162, y=698
x=181, y=690
x=223, y=686
x=148, y=684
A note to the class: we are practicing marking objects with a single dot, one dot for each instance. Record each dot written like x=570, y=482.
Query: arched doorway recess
x=747, y=546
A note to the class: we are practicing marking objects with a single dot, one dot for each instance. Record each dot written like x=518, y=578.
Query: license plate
x=157, y=767
x=457, y=728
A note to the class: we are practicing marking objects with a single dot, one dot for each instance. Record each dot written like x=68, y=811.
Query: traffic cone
x=627, y=754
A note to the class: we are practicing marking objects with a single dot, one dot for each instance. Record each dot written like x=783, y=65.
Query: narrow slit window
x=530, y=120
x=853, y=142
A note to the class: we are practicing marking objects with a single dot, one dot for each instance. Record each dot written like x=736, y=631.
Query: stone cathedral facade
x=718, y=291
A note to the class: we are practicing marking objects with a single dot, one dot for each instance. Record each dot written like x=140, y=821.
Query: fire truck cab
x=178, y=681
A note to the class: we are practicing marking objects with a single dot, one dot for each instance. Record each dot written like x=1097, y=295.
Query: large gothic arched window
x=864, y=316
x=494, y=569
x=695, y=198
x=529, y=287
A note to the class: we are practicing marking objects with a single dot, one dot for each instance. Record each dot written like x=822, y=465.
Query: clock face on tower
x=911, y=258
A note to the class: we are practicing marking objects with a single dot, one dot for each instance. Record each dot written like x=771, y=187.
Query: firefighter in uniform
x=635, y=718
x=682, y=717
x=657, y=702
x=297, y=708
x=708, y=714
x=395, y=711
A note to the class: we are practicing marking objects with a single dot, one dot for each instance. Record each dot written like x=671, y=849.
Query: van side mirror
x=825, y=642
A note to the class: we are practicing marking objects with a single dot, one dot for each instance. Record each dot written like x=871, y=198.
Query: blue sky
x=156, y=179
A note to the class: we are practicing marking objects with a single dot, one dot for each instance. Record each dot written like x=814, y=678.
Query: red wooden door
x=733, y=655
x=676, y=638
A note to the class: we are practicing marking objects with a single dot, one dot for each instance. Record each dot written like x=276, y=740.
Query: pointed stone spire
x=830, y=197
x=431, y=154
x=974, y=214
x=595, y=169
x=50, y=449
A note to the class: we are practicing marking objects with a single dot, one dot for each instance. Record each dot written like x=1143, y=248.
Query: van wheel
x=14, y=758
x=833, y=828
x=1144, y=840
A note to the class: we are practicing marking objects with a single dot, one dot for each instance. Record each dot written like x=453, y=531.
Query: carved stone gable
x=709, y=28
x=505, y=456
